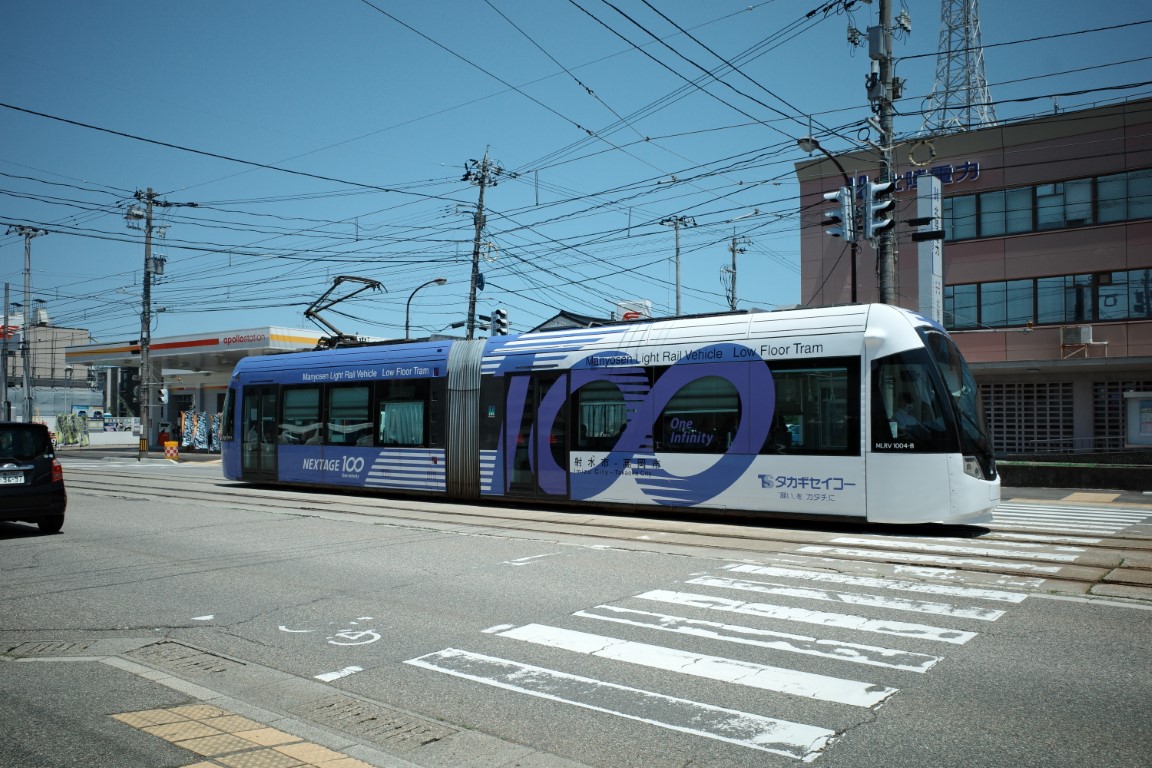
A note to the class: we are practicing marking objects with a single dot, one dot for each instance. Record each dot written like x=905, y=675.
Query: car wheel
x=51, y=524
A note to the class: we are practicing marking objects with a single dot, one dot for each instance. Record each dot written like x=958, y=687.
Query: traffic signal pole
x=885, y=240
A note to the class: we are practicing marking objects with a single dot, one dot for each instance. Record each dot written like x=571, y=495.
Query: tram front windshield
x=965, y=398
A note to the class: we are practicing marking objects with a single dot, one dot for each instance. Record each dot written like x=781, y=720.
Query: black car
x=31, y=479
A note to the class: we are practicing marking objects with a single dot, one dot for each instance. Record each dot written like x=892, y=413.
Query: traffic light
x=162, y=395
x=841, y=221
x=500, y=322
x=878, y=206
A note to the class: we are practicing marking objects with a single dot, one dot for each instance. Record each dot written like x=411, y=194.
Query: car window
x=22, y=442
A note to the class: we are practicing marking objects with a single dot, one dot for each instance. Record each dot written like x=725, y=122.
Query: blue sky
x=329, y=138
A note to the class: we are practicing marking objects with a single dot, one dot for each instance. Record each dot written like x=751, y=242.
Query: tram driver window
x=910, y=405
x=349, y=420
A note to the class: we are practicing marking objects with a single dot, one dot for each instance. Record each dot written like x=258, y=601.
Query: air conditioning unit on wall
x=1075, y=334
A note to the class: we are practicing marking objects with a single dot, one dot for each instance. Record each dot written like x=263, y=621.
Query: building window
x=1140, y=294
x=1140, y=194
x=1058, y=300
x=960, y=306
x=1059, y=205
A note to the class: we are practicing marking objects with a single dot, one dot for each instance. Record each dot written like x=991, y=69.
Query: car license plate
x=11, y=478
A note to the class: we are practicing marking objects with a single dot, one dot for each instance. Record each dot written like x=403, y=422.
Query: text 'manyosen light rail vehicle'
x=863, y=411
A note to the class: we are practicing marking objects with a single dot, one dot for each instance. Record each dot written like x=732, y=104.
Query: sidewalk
x=126, y=452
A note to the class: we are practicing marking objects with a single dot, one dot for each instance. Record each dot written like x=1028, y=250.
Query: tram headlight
x=972, y=468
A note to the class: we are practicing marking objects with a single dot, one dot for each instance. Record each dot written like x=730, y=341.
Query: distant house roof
x=566, y=319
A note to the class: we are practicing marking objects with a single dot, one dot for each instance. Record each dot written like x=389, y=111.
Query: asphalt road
x=180, y=620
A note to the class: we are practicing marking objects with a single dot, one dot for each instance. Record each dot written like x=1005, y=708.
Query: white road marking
x=852, y=598
x=763, y=638
x=955, y=550
x=747, y=673
x=781, y=737
x=497, y=628
x=939, y=559
x=1067, y=519
x=840, y=620
x=209, y=617
x=868, y=581
x=330, y=676
x=527, y=560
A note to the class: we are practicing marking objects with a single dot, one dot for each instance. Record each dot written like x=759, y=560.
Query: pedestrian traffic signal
x=500, y=322
x=878, y=207
x=841, y=220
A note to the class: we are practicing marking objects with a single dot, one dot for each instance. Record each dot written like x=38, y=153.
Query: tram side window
x=601, y=414
x=349, y=418
x=701, y=418
x=817, y=410
x=301, y=423
x=402, y=405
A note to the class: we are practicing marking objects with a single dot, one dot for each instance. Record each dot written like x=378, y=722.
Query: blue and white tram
x=863, y=411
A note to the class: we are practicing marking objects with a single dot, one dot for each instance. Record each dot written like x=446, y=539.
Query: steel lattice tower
x=960, y=100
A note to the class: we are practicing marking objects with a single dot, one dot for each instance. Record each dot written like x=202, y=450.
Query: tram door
x=259, y=433
x=536, y=435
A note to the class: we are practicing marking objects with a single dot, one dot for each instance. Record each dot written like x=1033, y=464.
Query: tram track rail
x=1117, y=565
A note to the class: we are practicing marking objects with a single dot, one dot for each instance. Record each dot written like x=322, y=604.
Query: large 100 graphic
x=680, y=456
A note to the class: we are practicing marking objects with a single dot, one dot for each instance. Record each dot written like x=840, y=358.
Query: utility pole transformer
x=25, y=343
x=676, y=222
x=151, y=267
x=728, y=274
x=483, y=174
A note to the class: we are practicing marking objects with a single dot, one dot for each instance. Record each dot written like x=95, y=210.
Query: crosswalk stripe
x=751, y=674
x=851, y=598
x=916, y=557
x=1069, y=519
x=1049, y=538
x=953, y=549
x=781, y=737
x=805, y=616
x=868, y=581
x=763, y=638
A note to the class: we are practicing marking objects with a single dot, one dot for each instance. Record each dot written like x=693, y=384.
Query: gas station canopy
x=207, y=353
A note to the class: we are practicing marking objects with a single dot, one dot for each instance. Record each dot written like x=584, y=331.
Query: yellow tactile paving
x=232, y=724
x=185, y=729
x=149, y=717
x=312, y=754
x=1084, y=497
x=232, y=741
x=216, y=745
x=200, y=711
x=268, y=737
x=261, y=758
x=344, y=762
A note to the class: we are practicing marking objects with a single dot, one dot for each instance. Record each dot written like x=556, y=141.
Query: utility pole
x=483, y=173
x=676, y=222
x=25, y=348
x=5, y=405
x=728, y=274
x=885, y=89
x=151, y=267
